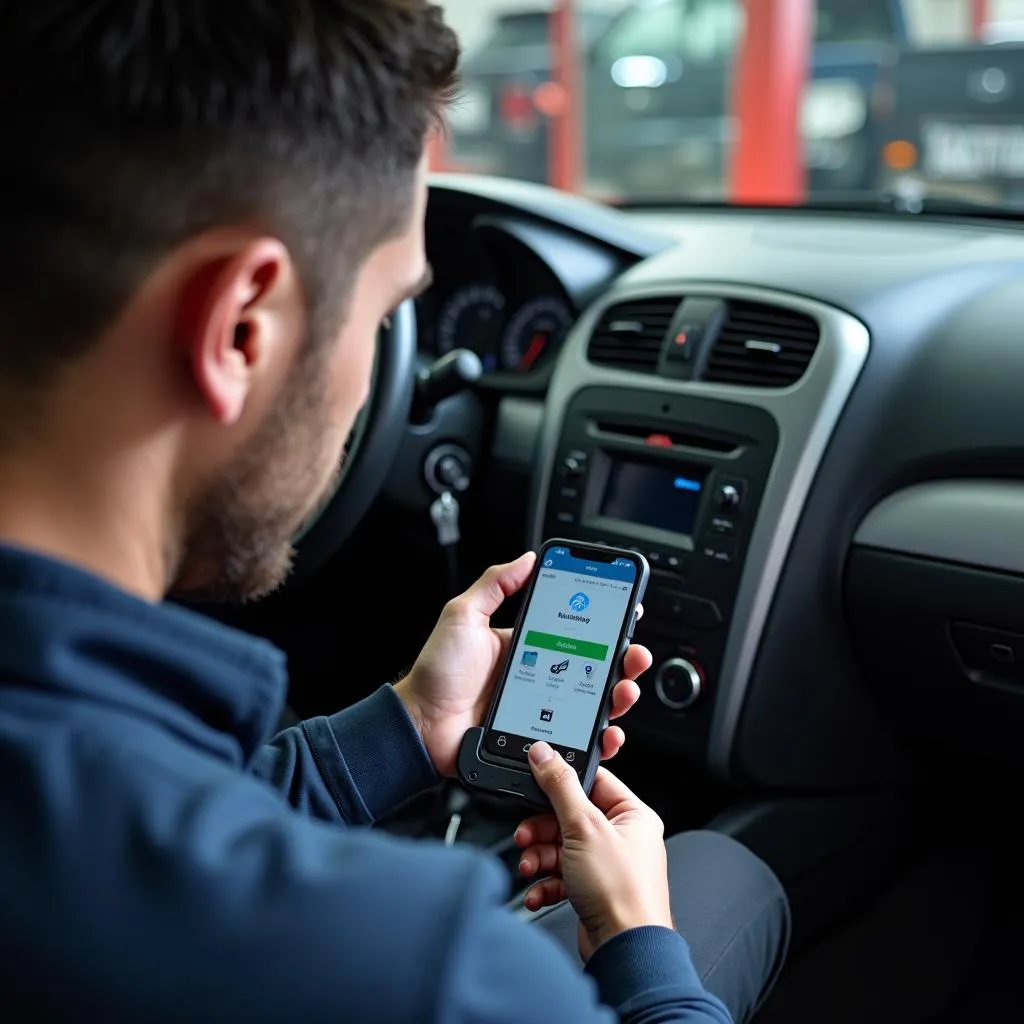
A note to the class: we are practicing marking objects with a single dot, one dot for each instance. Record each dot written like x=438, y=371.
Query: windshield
x=669, y=102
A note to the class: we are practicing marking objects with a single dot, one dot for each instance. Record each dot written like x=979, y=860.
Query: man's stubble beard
x=239, y=532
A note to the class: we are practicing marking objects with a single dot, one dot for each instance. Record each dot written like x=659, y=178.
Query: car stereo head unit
x=649, y=486
x=679, y=479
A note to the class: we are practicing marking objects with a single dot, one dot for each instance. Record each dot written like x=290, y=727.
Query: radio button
x=675, y=563
x=721, y=552
x=654, y=557
x=574, y=465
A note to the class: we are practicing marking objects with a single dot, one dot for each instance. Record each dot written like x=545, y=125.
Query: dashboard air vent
x=762, y=346
x=629, y=336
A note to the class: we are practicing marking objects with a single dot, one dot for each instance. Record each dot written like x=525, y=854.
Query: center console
x=679, y=478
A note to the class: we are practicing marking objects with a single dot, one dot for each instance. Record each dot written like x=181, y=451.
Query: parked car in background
x=658, y=96
x=497, y=126
x=996, y=32
x=957, y=128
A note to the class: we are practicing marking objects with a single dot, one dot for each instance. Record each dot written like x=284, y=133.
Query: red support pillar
x=564, y=132
x=979, y=17
x=768, y=164
x=437, y=155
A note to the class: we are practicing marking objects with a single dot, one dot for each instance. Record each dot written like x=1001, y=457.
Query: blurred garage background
x=653, y=102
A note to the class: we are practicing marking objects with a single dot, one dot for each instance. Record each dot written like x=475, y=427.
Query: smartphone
x=575, y=625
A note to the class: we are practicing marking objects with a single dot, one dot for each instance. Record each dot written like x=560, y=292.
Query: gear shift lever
x=452, y=373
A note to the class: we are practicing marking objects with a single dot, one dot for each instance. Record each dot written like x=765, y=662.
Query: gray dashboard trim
x=806, y=413
x=974, y=522
x=517, y=430
x=582, y=269
x=594, y=220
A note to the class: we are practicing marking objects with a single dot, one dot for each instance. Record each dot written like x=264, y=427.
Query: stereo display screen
x=665, y=497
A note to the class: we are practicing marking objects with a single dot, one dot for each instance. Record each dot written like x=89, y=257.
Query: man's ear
x=228, y=323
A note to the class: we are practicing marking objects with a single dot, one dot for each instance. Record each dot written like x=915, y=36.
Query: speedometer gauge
x=537, y=329
x=472, y=318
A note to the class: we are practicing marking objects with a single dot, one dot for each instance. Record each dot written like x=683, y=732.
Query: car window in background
x=711, y=29
x=689, y=29
x=853, y=21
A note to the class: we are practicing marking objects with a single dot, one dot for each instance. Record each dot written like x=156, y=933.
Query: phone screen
x=566, y=651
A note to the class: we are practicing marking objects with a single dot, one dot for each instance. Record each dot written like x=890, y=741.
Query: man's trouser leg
x=730, y=908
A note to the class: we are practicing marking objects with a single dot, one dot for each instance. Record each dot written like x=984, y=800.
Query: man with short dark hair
x=208, y=208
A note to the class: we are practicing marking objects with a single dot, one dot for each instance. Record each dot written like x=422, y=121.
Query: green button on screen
x=566, y=645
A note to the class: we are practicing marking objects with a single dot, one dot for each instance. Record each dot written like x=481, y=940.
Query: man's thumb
x=560, y=784
x=499, y=583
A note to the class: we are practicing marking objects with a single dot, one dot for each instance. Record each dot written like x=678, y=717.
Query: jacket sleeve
x=353, y=767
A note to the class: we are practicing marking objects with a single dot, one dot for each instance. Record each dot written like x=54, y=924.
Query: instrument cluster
x=495, y=295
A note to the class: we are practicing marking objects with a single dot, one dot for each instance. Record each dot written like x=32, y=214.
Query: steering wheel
x=371, y=449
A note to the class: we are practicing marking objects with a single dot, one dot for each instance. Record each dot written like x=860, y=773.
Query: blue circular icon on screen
x=579, y=602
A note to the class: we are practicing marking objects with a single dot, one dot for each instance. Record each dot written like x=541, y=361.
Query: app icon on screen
x=546, y=715
x=529, y=658
x=559, y=667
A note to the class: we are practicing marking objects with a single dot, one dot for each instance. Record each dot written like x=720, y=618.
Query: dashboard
x=809, y=422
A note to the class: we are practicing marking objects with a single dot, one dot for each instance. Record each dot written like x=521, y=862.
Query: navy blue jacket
x=159, y=862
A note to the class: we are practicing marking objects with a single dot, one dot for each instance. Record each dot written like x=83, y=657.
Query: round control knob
x=729, y=497
x=678, y=684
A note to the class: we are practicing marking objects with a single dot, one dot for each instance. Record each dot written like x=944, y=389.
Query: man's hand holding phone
x=452, y=683
x=605, y=854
